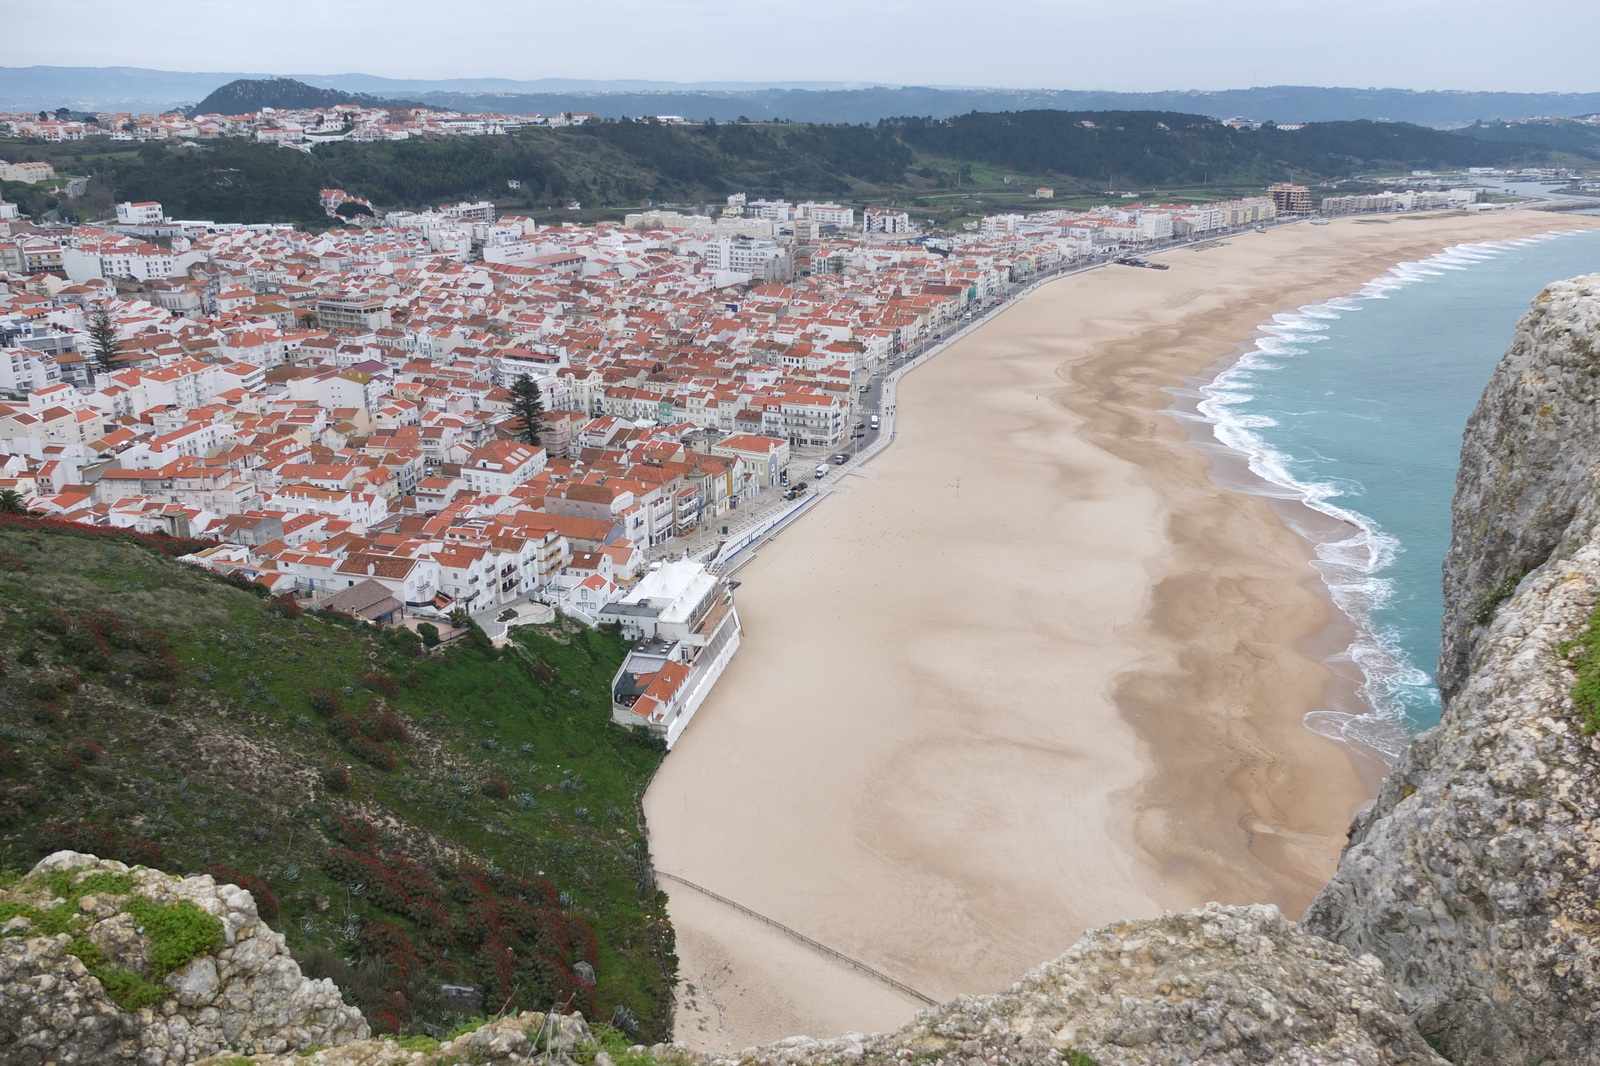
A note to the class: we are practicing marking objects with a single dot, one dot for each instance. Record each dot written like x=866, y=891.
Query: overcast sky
x=1058, y=44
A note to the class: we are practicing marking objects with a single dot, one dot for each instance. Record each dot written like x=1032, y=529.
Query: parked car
x=840, y=459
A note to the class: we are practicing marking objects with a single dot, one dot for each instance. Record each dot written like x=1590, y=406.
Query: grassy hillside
x=405, y=819
x=618, y=165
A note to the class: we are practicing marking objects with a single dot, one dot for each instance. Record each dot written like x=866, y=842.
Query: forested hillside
x=249, y=95
x=623, y=164
x=1559, y=135
x=405, y=817
x=1156, y=147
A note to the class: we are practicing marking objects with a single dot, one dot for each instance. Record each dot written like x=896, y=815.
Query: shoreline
x=1329, y=645
x=1035, y=671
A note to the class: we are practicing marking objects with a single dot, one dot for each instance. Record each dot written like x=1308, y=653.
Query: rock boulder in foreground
x=1222, y=986
x=245, y=991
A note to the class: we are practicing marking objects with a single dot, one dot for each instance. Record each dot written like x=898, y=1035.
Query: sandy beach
x=1031, y=673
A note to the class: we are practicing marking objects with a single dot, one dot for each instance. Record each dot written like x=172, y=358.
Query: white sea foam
x=1351, y=567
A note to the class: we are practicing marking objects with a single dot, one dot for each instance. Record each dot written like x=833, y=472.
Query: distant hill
x=1283, y=103
x=1556, y=135
x=136, y=89
x=246, y=95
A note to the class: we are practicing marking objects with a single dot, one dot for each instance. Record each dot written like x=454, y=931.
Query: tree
x=528, y=405
x=429, y=633
x=103, y=344
x=12, y=502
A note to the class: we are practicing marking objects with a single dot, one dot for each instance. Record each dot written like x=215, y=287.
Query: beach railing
x=899, y=986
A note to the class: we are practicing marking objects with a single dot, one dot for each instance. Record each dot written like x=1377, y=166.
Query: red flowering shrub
x=497, y=787
x=374, y=754
x=87, y=751
x=336, y=778
x=358, y=833
x=381, y=682
x=62, y=758
x=324, y=702
x=286, y=606
x=389, y=941
x=382, y=724
x=523, y=946
x=96, y=840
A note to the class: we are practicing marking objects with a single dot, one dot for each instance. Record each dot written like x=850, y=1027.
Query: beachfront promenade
x=769, y=514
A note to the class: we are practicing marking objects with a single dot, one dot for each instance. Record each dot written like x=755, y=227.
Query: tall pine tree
x=528, y=405
x=103, y=344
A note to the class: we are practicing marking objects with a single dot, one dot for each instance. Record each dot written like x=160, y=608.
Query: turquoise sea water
x=1356, y=406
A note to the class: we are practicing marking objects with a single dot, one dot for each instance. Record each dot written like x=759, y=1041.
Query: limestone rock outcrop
x=1528, y=465
x=517, y=1040
x=1220, y=986
x=245, y=992
x=1475, y=876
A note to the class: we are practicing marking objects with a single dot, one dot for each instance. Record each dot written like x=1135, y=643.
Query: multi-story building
x=828, y=215
x=687, y=629
x=353, y=311
x=142, y=213
x=26, y=172
x=885, y=220
x=762, y=260
x=1290, y=199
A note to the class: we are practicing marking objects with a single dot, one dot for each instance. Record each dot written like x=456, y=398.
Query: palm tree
x=459, y=617
x=12, y=502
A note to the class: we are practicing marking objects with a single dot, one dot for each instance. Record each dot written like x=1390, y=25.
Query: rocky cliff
x=101, y=963
x=1528, y=461
x=1475, y=877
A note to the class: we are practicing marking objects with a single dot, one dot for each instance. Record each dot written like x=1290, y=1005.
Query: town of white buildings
x=295, y=128
x=333, y=408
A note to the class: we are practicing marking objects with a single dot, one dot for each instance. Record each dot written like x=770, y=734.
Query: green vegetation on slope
x=179, y=932
x=1163, y=148
x=624, y=163
x=244, y=96
x=405, y=818
x=1584, y=651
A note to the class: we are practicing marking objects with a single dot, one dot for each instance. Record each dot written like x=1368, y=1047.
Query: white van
x=822, y=471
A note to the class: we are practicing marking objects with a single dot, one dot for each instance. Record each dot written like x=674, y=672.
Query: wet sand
x=1033, y=673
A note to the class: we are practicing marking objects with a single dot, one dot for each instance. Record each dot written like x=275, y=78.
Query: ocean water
x=1355, y=407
